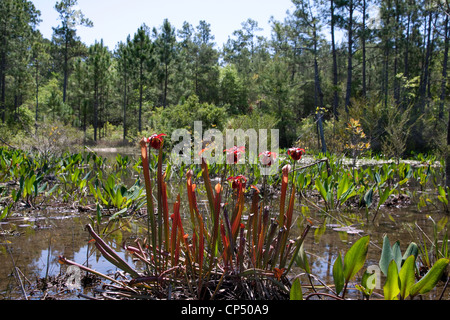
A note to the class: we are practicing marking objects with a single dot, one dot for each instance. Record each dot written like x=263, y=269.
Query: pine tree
x=98, y=63
x=141, y=64
x=165, y=55
x=65, y=37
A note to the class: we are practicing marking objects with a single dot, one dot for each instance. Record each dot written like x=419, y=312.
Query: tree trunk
x=66, y=69
x=363, y=40
x=166, y=83
x=37, y=97
x=335, y=69
x=125, y=107
x=444, y=71
x=318, y=95
x=3, y=78
x=396, y=82
x=424, y=80
x=140, y=97
x=95, y=110
x=447, y=157
x=349, y=57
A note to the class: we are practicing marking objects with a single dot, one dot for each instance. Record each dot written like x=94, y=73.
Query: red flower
x=238, y=181
x=234, y=154
x=296, y=153
x=267, y=157
x=156, y=140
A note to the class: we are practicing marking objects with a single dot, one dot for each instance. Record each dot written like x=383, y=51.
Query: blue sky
x=114, y=20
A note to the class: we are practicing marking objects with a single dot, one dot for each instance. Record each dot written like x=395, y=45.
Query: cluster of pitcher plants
x=241, y=246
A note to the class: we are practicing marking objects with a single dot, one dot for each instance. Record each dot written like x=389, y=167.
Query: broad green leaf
x=370, y=280
x=368, y=283
x=386, y=255
x=406, y=276
x=441, y=224
x=338, y=274
x=368, y=197
x=320, y=187
x=391, y=288
x=384, y=196
x=430, y=279
x=397, y=254
x=355, y=258
x=412, y=249
x=296, y=290
x=99, y=213
x=350, y=192
x=342, y=186
x=302, y=260
x=442, y=192
x=4, y=213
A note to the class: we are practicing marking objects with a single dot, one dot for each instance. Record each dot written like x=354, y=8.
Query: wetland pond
x=32, y=240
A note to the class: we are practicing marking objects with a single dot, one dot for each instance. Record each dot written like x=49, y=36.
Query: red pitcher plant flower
x=267, y=158
x=156, y=140
x=234, y=154
x=296, y=153
x=238, y=181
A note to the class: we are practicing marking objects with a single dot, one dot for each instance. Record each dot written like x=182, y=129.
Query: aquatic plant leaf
x=296, y=290
x=368, y=197
x=320, y=187
x=368, y=283
x=338, y=274
x=302, y=259
x=412, y=249
x=355, y=257
x=391, y=288
x=406, y=276
x=397, y=254
x=342, y=186
x=430, y=279
x=386, y=255
x=384, y=195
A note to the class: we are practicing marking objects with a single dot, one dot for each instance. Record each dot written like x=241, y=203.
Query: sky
x=114, y=20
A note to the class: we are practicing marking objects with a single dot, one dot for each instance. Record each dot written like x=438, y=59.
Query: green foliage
x=393, y=253
x=296, y=290
x=354, y=259
x=335, y=189
x=401, y=271
x=184, y=115
x=431, y=278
